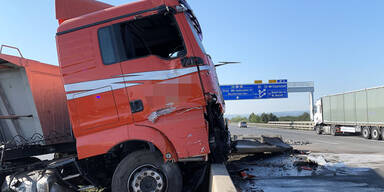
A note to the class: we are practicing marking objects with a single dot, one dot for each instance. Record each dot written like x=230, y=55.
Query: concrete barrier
x=220, y=181
x=301, y=125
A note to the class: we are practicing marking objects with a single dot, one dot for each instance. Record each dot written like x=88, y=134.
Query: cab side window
x=153, y=35
x=108, y=53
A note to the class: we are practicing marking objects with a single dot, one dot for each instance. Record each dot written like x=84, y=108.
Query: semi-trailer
x=134, y=105
x=358, y=112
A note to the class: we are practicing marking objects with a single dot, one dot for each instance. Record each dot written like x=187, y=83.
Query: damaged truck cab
x=139, y=85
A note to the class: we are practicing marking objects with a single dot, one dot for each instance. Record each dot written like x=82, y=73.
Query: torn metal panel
x=247, y=146
x=276, y=141
x=155, y=115
x=260, y=145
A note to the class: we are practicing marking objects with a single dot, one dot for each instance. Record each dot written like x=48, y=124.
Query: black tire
x=333, y=130
x=366, y=132
x=221, y=148
x=149, y=171
x=2, y=179
x=375, y=133
x=382, y=133
x=318, y=130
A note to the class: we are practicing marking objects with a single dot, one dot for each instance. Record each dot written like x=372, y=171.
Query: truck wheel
x=318, y=129
x=333, y=130
x=382, y=133
x=146, y=171
x=375, y=133
x=366, y=132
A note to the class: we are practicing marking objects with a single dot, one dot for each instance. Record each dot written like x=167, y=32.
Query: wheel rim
x=375, y=133
x=365, y=133
x=146, y=178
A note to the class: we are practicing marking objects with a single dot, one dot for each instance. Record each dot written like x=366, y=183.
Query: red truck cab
x=137, y=78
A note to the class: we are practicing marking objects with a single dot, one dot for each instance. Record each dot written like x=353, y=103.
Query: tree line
x=266, y=117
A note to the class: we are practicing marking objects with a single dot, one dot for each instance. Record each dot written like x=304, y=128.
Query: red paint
x=102, y=122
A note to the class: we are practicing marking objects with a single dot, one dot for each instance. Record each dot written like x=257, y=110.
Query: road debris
x=245, y=175
x=299, y=171
x=296, y=142
x=305, y=168
x=262, y=144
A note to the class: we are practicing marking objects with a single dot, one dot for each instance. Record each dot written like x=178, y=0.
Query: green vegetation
x=263, y=118
x=266, y=117
x=238, y=119
x=304, y=117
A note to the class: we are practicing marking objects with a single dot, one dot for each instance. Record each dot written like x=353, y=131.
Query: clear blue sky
x=337, y=44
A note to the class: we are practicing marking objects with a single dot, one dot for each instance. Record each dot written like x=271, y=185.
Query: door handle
x=136, y=106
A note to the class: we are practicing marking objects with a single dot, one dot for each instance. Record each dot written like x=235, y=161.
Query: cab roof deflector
x=68, y=9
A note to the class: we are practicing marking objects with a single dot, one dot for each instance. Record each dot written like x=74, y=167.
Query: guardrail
x=301, y=125
x=220, y=181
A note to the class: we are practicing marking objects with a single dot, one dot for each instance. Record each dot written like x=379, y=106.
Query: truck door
x=96, y=96
x=153, y=48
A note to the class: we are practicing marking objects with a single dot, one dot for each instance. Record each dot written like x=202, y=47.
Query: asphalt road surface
x=352, y=163
x=318, y=143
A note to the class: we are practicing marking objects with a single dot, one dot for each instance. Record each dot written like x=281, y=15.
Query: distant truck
x=356, y=112
x=135, y=104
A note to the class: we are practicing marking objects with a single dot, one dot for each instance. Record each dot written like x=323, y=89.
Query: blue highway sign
x=255, y=91
x=282, y=81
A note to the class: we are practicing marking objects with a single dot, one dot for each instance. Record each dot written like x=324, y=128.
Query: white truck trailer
x=359, y=112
